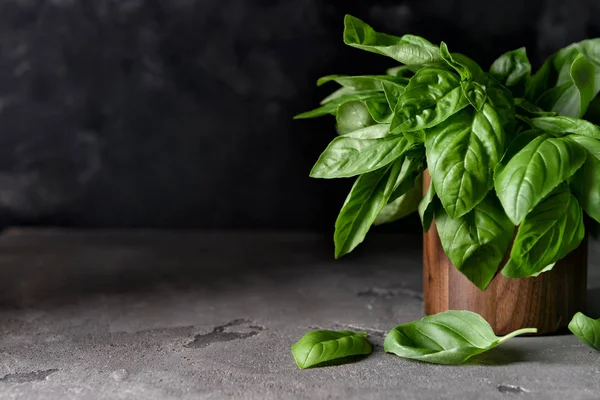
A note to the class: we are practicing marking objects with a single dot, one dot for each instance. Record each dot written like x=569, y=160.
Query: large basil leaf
x=369, y=194
x=346, y=156
x=573, y=97
x=548, y=233
x=586, y=329
x=477, y=242
x=432, y=95
x=461, y=154
x=362, y=83
x=318, y=347
x=408, y=49
x=404, y=205
x=563, y=125
x=352, y=116
x=525, y=179
x=451, y=337
x=586, y=182
x=512, y=69
x=331, y=104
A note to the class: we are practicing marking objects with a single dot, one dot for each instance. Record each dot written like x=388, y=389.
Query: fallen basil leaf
x=548, y=233
x=586, y=329
x=318, y=347
x=451, y=337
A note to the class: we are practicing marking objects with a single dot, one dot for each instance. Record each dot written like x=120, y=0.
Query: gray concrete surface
x=168, y=315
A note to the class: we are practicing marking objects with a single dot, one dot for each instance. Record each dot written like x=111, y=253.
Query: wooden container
x=547, y=302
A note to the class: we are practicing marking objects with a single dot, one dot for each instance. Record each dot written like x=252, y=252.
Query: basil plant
x=510, y=155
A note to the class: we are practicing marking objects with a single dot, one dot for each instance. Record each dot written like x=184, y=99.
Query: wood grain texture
x=547, y=302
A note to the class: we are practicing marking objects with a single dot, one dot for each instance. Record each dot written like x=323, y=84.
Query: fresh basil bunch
x=504, y=149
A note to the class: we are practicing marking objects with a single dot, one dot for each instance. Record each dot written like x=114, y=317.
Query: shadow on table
x=504, y=355
x=64, y=266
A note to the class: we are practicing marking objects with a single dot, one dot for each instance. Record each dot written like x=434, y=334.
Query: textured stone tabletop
x=188, y=315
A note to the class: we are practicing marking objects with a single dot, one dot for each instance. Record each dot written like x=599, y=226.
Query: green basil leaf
x=502, y=100
x=451, y=337
x=540, y=82
x=475, y=93
x=473, y=90
x=346, y=94
x=346, y=156
x=573, y=97
x=586, y=182
x=331, y=104
x=376, y=131
x=392, y=94
x=586, y=329
x=318, y=347
x=531, y=110
x=477, y=242
x=379, y=109
x=369, y=194
x=352, y=116
x=401, y=71
x=406, y=49
x=412, y=166
x=464, y=72
x=427, y=207
x=432, y=95
x=563, y=59
x=461, y=154
x=362, y=83
x=525, y=179
x=402, y=206
x=563, y=125
x=512, y=69
x=548, y=233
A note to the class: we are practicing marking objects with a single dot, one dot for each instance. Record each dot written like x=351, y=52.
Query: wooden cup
x=547, y=302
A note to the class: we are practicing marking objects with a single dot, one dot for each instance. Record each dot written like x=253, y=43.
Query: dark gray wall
x=178, y=113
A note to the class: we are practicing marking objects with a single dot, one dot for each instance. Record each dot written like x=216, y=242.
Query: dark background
x=150, y=113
